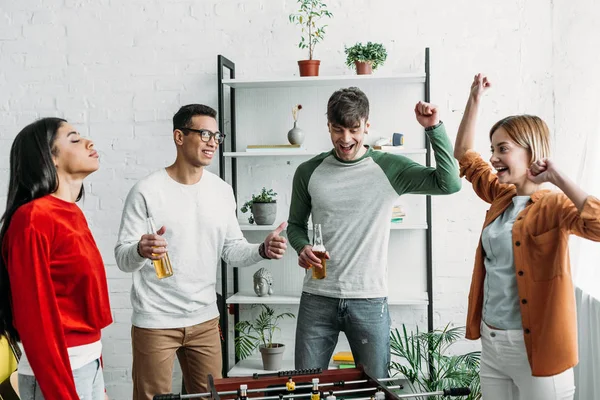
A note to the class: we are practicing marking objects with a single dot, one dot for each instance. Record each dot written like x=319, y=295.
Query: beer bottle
x=319, y=250
x=162, y=266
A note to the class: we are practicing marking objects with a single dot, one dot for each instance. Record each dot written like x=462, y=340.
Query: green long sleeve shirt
x=353, y=202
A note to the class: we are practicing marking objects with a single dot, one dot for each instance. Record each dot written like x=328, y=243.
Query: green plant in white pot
x=259, y=333
x=366, y=58
x=262, y=207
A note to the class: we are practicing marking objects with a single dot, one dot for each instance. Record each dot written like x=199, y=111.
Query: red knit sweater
x=59, y=289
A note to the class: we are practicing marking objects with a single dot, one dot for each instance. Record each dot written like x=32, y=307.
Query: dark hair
x=183, y=117
x=32, y=175
x=346, y=107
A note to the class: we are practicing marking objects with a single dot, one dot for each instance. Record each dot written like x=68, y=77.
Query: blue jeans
x=366, y=323
x=89, y=383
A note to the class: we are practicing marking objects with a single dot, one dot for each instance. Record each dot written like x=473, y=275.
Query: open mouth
x=501, y=171
x=346, y=149
x=208, y=153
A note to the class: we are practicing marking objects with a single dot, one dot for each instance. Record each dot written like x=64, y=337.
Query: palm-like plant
x=420, y=348
x=259, y=332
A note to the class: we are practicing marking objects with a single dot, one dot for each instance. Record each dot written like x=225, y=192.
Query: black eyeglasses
x=205, y=134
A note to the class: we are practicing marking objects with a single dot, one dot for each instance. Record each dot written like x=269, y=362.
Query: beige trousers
x=197, y=347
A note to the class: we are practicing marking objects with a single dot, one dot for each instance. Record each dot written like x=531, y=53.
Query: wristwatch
x=262, y=252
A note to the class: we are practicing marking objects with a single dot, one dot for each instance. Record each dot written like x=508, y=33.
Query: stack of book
x=389, y=148
x=343, y=359
x=398, y=214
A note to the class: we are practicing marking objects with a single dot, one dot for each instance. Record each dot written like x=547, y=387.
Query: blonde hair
x=529, y=132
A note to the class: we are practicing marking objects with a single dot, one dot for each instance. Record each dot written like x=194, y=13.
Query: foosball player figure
x=330, y=396
x=243, y=392
x=290, y=385
x=315, y=395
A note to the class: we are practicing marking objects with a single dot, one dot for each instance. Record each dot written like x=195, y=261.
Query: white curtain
x=587, y=372
x=585, y=253
x=586, y=268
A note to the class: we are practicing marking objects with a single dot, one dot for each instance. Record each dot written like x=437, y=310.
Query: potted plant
x=366, y=58
x=309, y=18
x=263, y=207
x=259, y=333
x=415, y=352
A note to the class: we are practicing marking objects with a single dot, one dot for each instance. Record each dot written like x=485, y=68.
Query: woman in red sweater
x=53, y=291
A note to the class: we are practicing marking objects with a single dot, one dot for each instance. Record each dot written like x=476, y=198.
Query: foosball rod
x=309, y=385
x=295, y=396
x=272, y=389
x=453, y=392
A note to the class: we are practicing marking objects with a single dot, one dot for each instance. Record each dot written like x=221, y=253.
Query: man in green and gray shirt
x=350, y=191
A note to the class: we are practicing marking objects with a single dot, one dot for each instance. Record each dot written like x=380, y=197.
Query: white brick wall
x=118, y=70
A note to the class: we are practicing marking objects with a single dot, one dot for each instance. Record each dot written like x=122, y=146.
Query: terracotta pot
x=363, y=68
x=309, y=67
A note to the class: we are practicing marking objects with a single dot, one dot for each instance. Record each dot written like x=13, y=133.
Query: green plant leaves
x=308, y=17
x=265, y=196
x=416, y=349
x=260, y=331
x=373, y=53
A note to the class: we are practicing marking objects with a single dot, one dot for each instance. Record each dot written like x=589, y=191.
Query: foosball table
x=312, y=384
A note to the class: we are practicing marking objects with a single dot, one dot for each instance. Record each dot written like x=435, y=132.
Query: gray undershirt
x=501, y=297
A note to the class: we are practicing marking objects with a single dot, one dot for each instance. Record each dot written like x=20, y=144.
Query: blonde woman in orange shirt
x=521, y=302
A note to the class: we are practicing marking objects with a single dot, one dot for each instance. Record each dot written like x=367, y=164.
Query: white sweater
x=201, y=228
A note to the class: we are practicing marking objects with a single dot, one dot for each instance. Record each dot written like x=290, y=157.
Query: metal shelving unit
x=228, y=167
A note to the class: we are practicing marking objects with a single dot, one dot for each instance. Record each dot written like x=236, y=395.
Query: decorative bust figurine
x=263, y=282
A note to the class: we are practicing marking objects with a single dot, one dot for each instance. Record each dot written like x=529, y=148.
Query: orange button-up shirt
x=542, y=266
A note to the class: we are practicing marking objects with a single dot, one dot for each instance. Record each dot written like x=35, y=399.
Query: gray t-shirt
x=500, y=296
x=353, y=202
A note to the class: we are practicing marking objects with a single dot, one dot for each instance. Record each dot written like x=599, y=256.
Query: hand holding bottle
x=153, y=246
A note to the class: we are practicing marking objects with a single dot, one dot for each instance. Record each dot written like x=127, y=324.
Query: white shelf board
x=395, y=226
x=405, y=151
x=342, y=80
x=251, y=366
x=301, y=153
x=251, y=298
x=408, y=225
x=273, y=153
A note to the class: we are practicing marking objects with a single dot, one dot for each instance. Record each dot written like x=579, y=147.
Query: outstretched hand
x=427, y=114
x=275, y=244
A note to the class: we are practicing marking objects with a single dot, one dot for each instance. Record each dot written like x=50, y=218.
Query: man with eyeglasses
x=196, y=213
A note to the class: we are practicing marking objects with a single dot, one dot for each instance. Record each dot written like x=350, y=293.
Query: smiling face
x=72, y=154
x=517, y=142
x=347, y=121
x=195, y=151
x=348, y=142
x=510, y=160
